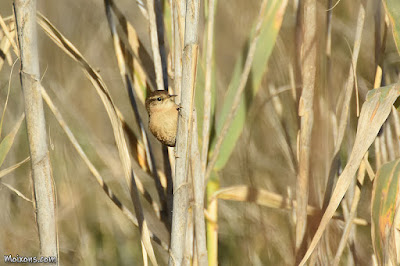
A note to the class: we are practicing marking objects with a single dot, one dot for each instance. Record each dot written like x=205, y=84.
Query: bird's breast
x=163, y=126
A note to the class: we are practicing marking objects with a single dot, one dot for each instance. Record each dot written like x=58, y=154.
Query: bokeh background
x=92, y=231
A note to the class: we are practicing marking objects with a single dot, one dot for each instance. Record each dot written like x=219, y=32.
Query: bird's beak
x=173, y=96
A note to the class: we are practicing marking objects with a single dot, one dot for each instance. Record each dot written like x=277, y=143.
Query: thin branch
x=207, y=86
x=19, y=193
x=8, y=96
x=12, y=168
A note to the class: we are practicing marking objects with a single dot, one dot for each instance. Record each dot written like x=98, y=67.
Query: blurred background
x=92, y=231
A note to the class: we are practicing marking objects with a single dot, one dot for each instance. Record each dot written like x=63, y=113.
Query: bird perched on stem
x=163, y=116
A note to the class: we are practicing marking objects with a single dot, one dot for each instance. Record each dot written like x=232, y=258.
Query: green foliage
x=393, y=11
x=385, y=195
x=269, y=31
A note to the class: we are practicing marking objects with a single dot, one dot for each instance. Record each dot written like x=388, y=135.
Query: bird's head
x=158, y=101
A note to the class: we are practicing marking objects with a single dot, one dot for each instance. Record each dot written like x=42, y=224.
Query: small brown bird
x=163, y=116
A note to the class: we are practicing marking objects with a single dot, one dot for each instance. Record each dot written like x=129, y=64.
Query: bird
x=163, y=116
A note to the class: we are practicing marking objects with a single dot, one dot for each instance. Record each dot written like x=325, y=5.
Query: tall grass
x=287, y=144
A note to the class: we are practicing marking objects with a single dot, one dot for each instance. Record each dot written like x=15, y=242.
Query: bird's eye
x=159, y=99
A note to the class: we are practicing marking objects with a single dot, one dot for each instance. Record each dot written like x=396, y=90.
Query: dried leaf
x=266, y=198
x=374, y=113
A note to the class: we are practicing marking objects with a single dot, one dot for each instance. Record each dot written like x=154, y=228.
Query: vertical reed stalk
x=198, y=194
x=183, y=139
x=45, y=203
x=306, y=112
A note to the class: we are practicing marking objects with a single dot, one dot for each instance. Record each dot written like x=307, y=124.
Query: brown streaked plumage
x=163, y=116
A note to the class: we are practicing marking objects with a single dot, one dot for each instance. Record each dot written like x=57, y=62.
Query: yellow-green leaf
x=385, y=196
x=270, y=28
x=392, y=8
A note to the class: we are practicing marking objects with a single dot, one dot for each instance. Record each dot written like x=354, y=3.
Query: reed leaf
x=392, y=8
x=384, y=207
x=269, y=30
x=374, y=113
